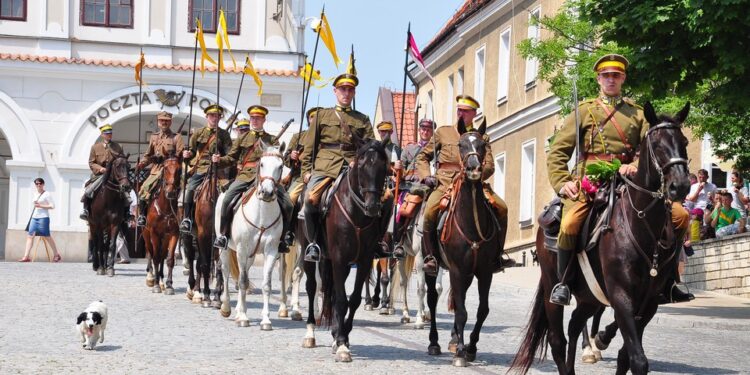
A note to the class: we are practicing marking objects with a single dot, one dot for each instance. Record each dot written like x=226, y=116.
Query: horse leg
x=171, y=245
x=296, y=280
x=205, y=270
x=311, y=287
x=421, y=293
x=604, y=338
x=343, y=353
x=269, y=259
x=385, y=279
x=483, y=287
x=555, y=333
x=591, y=341
x=402, y=285
x=219, y=286
x=631, y=356
x=577, y=322
x=283, y=269
x=459, y=287
x=244, y=283
x=226, y=308
x=340, y=272
x=112, y=250
x=432, y=298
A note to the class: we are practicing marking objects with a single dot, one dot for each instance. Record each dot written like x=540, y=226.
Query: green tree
x=678, y=52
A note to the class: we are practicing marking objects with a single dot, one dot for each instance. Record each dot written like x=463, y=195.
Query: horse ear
x=683, y=113
x=386, y=141
x=283, y=146
x=482, y=126
x=461, y=126
x=650, y=113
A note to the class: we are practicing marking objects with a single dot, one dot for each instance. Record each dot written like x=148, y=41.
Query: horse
x=470, y=234
x=412, y=244
x=202, y=237
x=108, y=209
x=632, y=278
x=162, y=232
x=383, y=271
x=357, y=221
x=256, y=229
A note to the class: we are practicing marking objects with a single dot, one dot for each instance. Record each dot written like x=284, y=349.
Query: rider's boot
x=312, y=252
x=560, y=294
x=429, y=247
x=86, y=204
x=224, y=221
x=502, y=262
x=286, y=211
x=142, y=207
x=187, y=223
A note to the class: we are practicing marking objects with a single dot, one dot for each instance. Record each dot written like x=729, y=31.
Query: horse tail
x=234, y=266
x=397, y=294
x=326, y=279
x=535, y=340
x=451, y=303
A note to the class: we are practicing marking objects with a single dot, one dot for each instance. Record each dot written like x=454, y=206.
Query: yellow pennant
x=220, y=46
x=313, y=77
x=204, y=54
x=324, y=30
x=139, y=69
x=225, y=35
x=350, y=69
x=249, y=69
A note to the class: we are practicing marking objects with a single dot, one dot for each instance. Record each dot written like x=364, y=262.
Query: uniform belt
x=449, y=166
x=609, y=157
x=337, y=146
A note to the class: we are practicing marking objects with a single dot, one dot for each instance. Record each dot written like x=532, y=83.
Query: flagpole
x=302, y=96
x=306, y=94
x=354, y=99
x=236, y=113
x=190, y=120
x=137, y=175
x=396, y=238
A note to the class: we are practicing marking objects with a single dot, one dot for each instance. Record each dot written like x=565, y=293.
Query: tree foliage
x=679, y=50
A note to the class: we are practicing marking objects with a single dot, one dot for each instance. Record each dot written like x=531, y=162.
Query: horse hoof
x=368, y=307
x=344, y=357
x=156, y=289
x=459, y=362
x=243, y=323
x=150, y=283
x=206, y=304
x=110, y=272
x=391, y=311
x=453, y=347
x=418, y=325
x=100, y=271
x=266, y=327
x=297, y=316
x=225, y=314
x=283, y=313
x=189, y=295
x=216, y=305
x=588, y=359
x=598, y=355
x=196, y=300
x=169, y=291
x=384, y=311
x=434, y=350
x=405, y=320
x=470, y=357
x=308, y=342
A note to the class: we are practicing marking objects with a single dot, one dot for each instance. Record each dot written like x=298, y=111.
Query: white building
x=67, y=66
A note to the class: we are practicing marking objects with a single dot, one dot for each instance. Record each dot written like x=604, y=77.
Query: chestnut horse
x=161, y=232
x=633, y=261
x=108, y=208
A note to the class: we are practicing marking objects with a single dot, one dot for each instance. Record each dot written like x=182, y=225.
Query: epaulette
x=631, y=102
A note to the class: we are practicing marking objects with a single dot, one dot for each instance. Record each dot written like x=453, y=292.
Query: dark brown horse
x=108, y=209
x=202, y=237
x=354, y=224
x=633, y=261
x=161, y=232
x=471, y=237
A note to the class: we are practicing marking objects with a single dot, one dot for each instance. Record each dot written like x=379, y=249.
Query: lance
x=190, y=120
x=306, y=91
x=398, y=140
x=235, y=113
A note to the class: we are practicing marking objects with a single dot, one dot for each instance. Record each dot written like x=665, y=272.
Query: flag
x=417, y=57
x=249, y=69
x=221, y=34
x=324, y=31
x=312, y=76
x=139, y=69
x=204, y=54
x=350, y=69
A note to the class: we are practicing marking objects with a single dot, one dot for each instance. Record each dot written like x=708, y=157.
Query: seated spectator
x=725, y=219
x=739, y=193
x=701, y=193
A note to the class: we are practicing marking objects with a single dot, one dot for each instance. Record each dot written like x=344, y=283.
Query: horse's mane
x=372, y=144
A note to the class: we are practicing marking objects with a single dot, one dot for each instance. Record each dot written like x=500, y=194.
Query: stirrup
x=560, y=295
x=288, y=238
x=84, y=214
x=429, y=270
x=399, y=252
x=141, y=222
x=312, y=252
x=221, y=242
x=186, y=225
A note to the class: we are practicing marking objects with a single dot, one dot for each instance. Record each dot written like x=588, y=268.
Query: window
x=208, y=12
x=13, y=10
x=528, y=171
x=460, y=82
x=531, y=64
x=107, y=13
x=449, y=100
x=430, y=110
x=479, y=75
x=503, y=73
x=499, y=178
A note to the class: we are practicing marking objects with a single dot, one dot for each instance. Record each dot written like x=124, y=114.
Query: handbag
x=409, y=205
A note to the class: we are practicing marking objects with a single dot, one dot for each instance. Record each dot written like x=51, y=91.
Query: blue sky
x=377, y=28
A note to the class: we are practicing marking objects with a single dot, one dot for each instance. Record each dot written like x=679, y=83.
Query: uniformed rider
x=385, y=131
x=102, y=153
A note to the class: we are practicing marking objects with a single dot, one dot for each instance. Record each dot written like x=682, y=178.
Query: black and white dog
x=91, y=324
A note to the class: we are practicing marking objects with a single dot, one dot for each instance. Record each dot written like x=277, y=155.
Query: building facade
x=67, y=67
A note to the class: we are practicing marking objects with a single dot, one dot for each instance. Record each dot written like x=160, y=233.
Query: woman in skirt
x=39, y=222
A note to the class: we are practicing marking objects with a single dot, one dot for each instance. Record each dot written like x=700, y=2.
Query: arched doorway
x=5, y=155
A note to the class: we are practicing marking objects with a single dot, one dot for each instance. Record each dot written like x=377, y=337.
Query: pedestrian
x=39, y=222
x=122, y=244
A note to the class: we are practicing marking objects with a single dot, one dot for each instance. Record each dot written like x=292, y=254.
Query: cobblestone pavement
x=166, y=334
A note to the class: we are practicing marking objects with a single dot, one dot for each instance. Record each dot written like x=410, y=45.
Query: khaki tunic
x=161, y=145
x=245, y=153
x=445, y=139
x=220, y=144
x=102, y=154
x=294, y=143
x=325, y=137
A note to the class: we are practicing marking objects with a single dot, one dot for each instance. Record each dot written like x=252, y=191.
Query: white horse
x=256, y=228
x=412, y=243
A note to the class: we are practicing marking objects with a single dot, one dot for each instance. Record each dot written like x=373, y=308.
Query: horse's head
x=270, y=166
x=118, y=172
x=472, y=149
x=171, y=176
x=664, y=153
x=370, y=168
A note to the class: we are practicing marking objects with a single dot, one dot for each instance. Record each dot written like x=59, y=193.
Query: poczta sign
x=165, y=98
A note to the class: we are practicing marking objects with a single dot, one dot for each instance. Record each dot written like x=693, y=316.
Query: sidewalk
x=708, y=310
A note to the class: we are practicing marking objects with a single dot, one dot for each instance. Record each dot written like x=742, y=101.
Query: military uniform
x=160, y=146
x=333, y=147
x=617, y=138
x=203, y=143
x=102, y=153
x=295, y=183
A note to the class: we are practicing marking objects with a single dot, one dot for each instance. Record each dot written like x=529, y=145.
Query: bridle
x=275, y=181
x=272, y=178
x=113, y=181
x=171, y=202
